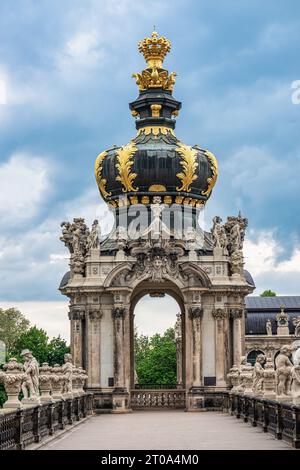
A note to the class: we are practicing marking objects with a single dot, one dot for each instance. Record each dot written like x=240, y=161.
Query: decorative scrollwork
x=189, y=166
x=125, y=162
x=98, y=174
x=214, y=168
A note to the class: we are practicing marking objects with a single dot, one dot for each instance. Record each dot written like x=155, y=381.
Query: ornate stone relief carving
x=118, y=312
x=219, y=313
x=77, y=313
x=236, y=313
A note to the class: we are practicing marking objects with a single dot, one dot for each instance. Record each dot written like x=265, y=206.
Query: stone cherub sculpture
x=67, y=370
x=30, y=386
x=295, y=387
x=269, y=327
x=258, y=374
x=283, y=371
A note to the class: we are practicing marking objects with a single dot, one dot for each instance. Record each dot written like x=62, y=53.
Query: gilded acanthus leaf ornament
x=214, y=168
x=189, y=166
x=98, y=174
x=154, y=78
x=125, y=162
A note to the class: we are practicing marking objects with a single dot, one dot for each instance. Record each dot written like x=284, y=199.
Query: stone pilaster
x=196, y=314
x=120, y=394
x=94, y=337
x=237, y=315
x=220, y=316
x=76, y=317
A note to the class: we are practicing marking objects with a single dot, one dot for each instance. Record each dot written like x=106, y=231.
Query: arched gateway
x=156, y=186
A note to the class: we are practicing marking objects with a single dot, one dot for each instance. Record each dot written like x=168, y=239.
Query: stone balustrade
x=40, y=385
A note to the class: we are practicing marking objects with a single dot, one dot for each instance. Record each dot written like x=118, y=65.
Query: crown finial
x=154, y=49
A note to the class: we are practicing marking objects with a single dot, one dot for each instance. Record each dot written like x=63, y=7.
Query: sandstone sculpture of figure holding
x=269, y=327
x=67, y=370
x=258, y=373
x=94, y=236
x=218, y=233
x=30, y=386
x=283, y=371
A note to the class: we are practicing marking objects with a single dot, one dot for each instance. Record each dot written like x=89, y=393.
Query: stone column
x=237, y=314
x=77, y=316
x=120, y=393
x=220, y=316
x=94, y=335
x=196, y=399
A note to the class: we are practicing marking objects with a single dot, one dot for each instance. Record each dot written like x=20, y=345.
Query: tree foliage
x=268, y=293
x=36, y=340
x=12, y=324
x=155, y=358
x=57, y=348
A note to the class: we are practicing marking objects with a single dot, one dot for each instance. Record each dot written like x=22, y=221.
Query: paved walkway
x=165, y=430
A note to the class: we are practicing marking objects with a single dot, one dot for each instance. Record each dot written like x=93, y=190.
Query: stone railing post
x=13, y=379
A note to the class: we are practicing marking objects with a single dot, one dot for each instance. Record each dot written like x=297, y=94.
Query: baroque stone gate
x=156, y=187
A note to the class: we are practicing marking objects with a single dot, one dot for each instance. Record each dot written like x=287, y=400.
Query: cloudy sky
x=65, y=84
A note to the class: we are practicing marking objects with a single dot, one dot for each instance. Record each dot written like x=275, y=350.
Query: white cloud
x=51, y=316
x=24, y=183
x=3, y=94
x=154, y=315
x=262, y=252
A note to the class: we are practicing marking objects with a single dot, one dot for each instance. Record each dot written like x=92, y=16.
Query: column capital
x=219, y=313
x=77, y=313
x=118, y=312
x=195, y=312
x=236, y=313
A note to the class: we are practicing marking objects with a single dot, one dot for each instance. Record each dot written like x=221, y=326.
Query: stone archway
x=162, y=396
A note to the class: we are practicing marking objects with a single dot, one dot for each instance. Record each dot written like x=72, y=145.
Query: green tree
x=36, y=340
x=268, y=293
x=57, y=348
x=156, y=358
x=12, y=324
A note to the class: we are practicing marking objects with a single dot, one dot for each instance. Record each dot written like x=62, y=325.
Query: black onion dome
x=156, y=162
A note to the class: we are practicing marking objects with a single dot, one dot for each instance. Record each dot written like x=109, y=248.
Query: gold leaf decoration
x=98, y=174
x=125, y=162
x=189, y=166
x=214, y=168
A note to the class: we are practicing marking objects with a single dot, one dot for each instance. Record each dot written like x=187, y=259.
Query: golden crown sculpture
x=154, y=50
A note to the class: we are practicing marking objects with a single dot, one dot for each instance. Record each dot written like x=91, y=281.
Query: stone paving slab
x=169, y=430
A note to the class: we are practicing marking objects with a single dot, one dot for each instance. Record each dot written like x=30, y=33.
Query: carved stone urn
x=269, y=384
x=246, y=379
x=45, y=378
x=233, y=378
x=76, y=382
x=12, y=380
x=82, y=377
x=57, y=380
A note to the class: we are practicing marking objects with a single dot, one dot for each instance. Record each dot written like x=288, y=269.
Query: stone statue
x=283, y=371
x=269, y=327
x=235, y=228
x=94, y=236
x=296, y=322
x=30, y=386
x=295, y=387
x=245, y=377
x=258, y=374
x=67, y=370
x=218, y=233
x=237, y=262
x=75, y=236
x=233, y=378
x=282, y=319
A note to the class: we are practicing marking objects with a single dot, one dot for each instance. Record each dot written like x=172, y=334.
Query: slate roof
x=273, y=303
